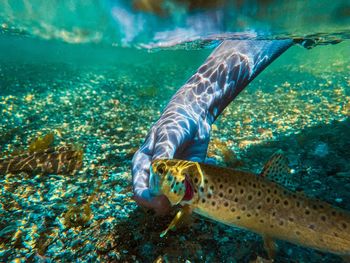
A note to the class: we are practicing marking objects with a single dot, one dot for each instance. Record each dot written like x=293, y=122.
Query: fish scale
x=256, y=203
x=267, y=208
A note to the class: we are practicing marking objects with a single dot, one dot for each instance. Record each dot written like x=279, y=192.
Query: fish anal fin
x=184, y=212
x=276, y=169
x=270, y=246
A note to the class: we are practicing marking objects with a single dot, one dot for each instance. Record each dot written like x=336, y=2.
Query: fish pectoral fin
x=183, y=213
x=270, y=246
x=276, y=169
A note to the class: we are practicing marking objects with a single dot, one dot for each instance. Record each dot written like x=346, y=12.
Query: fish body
x=254, y=202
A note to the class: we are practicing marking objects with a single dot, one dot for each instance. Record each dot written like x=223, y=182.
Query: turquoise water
x=73, y=70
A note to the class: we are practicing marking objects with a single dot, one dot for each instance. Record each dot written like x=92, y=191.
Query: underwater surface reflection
x=78, y=96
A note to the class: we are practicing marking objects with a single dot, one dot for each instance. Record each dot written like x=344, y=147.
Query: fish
x=262, y=203
x=55, y=160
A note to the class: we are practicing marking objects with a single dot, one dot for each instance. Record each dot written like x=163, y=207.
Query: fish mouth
x=189, y=190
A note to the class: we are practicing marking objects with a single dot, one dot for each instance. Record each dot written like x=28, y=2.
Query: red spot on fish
x=189, y=191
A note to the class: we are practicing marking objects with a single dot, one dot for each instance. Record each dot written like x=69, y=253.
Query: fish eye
x=161, y=168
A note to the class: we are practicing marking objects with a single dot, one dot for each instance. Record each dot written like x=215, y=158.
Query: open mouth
x=189, y=190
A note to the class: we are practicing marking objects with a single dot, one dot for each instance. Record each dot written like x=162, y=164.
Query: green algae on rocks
x=80, y=215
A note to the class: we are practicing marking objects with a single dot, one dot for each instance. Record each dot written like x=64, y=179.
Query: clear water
x=97, y=74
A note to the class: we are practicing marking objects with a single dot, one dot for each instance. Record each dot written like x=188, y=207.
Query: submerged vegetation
x=77, y=215
x=219, y=149
x=80, y=215
x=41, y=143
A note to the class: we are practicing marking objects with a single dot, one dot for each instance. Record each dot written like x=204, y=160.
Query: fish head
x=169, y=178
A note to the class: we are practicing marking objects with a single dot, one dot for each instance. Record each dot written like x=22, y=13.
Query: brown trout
x=258, y=203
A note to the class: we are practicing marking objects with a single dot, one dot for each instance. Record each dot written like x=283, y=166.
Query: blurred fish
x=258, y=203
x=58, y=160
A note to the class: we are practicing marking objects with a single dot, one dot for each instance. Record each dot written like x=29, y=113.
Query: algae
x=228, y=155
x=80, y=215
x=45, y=239
x=41, y=143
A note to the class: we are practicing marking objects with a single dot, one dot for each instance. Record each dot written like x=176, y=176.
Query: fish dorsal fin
x=276, y=169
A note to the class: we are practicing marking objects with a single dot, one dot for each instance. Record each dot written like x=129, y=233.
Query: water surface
x=92, y=84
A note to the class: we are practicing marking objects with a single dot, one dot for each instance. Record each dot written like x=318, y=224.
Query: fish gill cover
x=82, y=70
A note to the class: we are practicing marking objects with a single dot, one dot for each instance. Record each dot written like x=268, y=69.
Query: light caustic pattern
x=183, y=130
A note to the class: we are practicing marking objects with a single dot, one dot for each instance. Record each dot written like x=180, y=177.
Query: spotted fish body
x=253, y=202
x=59, y=160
